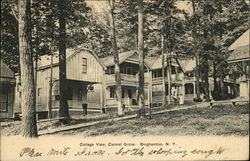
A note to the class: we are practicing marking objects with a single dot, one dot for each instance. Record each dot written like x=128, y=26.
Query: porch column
x=149, y=88
x=176, y=73
x=102, y=93
x=183, y=92
x=194, y=85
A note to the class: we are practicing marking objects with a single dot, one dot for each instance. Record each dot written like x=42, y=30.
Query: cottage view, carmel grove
x=125, y=67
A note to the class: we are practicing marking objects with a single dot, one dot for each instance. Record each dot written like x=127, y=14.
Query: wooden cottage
x=189, y=66
x=83, y=70
x=129, y=68
x=240, y=58
x=177, y=80
x=7, y=91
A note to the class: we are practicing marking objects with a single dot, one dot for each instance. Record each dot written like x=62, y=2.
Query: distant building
x=156, y=79
x=7, y=91
x=189, y=79
x=240, y=58
x=129, y=68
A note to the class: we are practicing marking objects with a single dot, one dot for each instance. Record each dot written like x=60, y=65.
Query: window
x=189, y=88
x=56, y=97
x=70, y=94
x=39, y=91
x=123, y=93
x=79, y=94
x=157, y=73
x=3, y=99
x=112, y=92
x=55, y=88
x=173, y=70
x=110, y=70
x=130, y=93
x=129, y=70
x=84, y=65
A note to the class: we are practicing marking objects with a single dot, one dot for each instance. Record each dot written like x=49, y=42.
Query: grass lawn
x=220, y=120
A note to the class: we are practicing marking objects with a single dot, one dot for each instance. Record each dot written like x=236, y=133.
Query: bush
x=197, y=100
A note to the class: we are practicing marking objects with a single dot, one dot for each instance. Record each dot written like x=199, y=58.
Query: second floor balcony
x=125, y=78
x=174, y=77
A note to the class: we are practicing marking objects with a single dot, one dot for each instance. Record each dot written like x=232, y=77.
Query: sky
x=100, y=5
x=97, y=5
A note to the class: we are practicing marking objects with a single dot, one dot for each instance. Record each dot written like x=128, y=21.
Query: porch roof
x=239, y=54
x=156, y=62
x=78, y=82
x=188, y=65
x=243, y=40
x=109, y=60
x=6, y=74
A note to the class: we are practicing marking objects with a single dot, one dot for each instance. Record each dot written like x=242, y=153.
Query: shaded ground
x=11, y=127
x=219, y=120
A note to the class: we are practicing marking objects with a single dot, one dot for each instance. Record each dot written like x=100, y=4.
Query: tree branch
x=14, y=13
x=242, y=70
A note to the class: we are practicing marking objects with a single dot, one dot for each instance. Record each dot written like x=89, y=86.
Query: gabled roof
x=6, y=74
x=156, y=62
x=243, y=40
x=6, y=71
x=151, y=60
x=239, y=54
x=45, y=60
x=188, y=65
x=109, y=60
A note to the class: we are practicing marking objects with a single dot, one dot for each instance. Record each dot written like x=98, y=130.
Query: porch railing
x=124, y=77
x=174, y=77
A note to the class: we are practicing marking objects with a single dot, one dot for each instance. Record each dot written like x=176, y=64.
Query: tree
x=163, y=65
x=28, y=103
x=63, y=103
x=141, y=112
x=114, y=50
x=214, y=21
x=9, y=35
x=197, y=75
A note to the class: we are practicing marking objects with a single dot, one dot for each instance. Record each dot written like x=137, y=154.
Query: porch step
x=93, y=110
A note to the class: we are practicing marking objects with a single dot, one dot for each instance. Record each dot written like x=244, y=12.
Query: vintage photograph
x=124, y=80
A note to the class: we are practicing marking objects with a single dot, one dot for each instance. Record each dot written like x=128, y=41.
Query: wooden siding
x=43, y=77
x=74, y=68
x=74, y=73
x=94, y=97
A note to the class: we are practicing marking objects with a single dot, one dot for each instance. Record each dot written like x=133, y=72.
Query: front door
x=3, y=99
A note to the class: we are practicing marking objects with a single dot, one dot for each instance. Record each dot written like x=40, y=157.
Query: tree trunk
x=235, y=85
x=118, y=90
x=215, y=91
x=50, y=88
x=50, y=29
x=197, y=76
x=169, y=78
x=222, y=88
x=206, y=82
x=63, y=103
x=141, y=111
x=29, y=124
x=163, y=68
